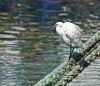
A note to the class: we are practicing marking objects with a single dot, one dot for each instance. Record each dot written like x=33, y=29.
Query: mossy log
x=68, y=77
x=66, y=67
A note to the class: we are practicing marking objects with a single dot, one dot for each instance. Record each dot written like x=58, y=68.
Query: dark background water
x=28, y=54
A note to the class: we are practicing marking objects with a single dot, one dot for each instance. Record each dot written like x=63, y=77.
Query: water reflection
x=27, y=57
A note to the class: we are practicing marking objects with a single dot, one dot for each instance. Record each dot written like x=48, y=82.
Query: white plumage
x=70, y=33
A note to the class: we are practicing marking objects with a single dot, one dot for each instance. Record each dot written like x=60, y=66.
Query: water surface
x=27, y=55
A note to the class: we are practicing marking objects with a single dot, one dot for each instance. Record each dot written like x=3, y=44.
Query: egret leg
x=70, y=53
x=71, y=50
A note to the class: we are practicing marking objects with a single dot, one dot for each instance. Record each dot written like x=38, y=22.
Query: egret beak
x=53, y=27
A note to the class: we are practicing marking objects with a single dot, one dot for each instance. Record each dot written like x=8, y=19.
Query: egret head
x=59, y=24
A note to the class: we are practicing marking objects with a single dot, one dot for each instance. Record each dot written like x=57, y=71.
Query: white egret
x=71, y=34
